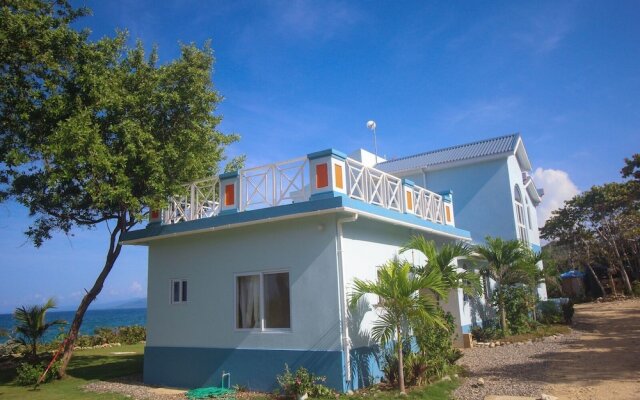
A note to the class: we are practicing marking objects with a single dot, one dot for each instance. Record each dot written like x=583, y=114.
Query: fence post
x=327, y=173
x=447, y=209
x=408, y=196
x=230, y=192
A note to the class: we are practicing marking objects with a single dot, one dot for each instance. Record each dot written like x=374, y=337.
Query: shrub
x=10, y=347
x=436, y=348
x=486, y=333
x=550, y=313
x=636, y=288
x=300, y=382
x=132, y=334
x=105, y=335
x=517, y=300
x=28, y=374
x=567, y=312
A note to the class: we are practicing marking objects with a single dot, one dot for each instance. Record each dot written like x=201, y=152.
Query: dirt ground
x=603, y=362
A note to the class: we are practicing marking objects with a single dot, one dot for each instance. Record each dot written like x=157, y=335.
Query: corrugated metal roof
x=482, y=148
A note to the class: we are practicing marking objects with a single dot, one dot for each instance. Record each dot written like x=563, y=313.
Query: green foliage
x=104, y=335
x=435, y=344
x=567, y=312
x=31, y=325
x=550, y=313
x=444, y=259
x=402, y=308
x=490, y=331
x=131, y=334
x=508, y=262
x=636, y=288
x=517, y=300
x=28, y=374
x=300, y=382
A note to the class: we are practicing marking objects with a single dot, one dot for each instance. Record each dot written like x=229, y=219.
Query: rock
x=456, y=376
x=349, y=392
x=480, y=382
x=446, y=378
x=547, y=397
x=492, y=345
x=498, y=344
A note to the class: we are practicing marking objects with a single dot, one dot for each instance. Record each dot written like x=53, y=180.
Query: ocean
x=92, y=320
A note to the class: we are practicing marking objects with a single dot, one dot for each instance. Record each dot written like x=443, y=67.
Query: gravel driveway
x=514, y=369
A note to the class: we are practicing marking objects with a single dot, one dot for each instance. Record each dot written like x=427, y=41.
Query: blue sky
x=301, y=76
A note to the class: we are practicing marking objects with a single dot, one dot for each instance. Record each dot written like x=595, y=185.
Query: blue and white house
x=252, y=269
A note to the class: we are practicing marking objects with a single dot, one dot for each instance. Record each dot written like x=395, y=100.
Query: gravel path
x=133, y=387
x=514, y=369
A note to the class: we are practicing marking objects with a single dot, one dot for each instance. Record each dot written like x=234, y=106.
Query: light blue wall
x=305, y=247
x=482, y=200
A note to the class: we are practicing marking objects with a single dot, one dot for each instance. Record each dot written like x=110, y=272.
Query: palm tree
x=444, y=260
x=507, y=264
x=32, y=326
x=400, y=305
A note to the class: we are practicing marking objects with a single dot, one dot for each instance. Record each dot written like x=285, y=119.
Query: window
x=178, y=291
x=262, y=301
x=520, y=218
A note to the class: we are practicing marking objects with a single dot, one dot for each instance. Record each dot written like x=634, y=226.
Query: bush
x=550, y=313
x=636, y=288
x=132, y=334
x=517, y=300
x=301, y=382
x=28, y=374
x=486, y=333
x=567, y=312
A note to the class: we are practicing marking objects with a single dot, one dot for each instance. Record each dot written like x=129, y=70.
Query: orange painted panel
x=155, y=214
x=338, y=176
x=322, y=176
x=229, y=194
x=409, y=200
x=447, y=211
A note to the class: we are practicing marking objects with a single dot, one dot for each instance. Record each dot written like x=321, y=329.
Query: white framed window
x=520, y=217
x=263, y=301
x=179, y=292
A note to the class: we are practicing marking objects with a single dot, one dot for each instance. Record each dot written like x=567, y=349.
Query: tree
x=32, y=326
x=506, y=264
x=444, y=259
x=400, y=305
x=98, y=132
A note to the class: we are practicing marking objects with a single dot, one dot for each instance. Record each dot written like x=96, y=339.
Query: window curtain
x=249, y=301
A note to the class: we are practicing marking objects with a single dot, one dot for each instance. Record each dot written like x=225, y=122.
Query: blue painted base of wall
x=467, y=328
x=186, y=367
x=365, y=367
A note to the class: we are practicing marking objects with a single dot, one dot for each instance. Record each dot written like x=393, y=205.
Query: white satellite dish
x=371, y=125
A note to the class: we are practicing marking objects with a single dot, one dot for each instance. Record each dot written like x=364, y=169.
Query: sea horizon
x=93, y=319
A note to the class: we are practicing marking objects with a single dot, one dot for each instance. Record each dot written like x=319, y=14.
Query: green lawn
x=85, y=366
x=101, y=364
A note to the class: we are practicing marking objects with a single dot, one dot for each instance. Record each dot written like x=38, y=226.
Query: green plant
x=401, y=308
x=567, y=312
x=549, y=312
x=488, y=332
x=131, y=334
x=507, y=262
x=298, y=383
x=516, y=303
x=105, y=334
x=28, y=374
x=636, y=288
x=32, y=326
x=435, y=344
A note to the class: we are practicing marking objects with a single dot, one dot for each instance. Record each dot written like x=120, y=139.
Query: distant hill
x=122, y=305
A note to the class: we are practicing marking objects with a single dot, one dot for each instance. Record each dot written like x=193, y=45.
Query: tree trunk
x=625, y=279
x=614, y=292
x=593, y=273
x=112, y=256
x=503, y=313
x=400, y=362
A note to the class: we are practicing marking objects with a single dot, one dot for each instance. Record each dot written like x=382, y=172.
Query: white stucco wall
x=306, y=248
x=366, y=246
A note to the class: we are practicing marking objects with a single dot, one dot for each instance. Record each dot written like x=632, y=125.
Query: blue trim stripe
x=189, y=367
x=466, y=328
x=228, y=175
x=325, y=153
x=536, y=248
x=332, y=201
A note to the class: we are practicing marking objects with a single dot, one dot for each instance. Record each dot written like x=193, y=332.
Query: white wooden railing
x=376, y=187
x=199, y=199
x=274, y=184
x=288, y=181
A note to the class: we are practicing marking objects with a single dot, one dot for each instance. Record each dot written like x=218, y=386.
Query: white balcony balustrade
x=290, y=182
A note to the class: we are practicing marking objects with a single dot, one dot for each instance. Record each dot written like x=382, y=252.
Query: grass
x=85, y=366
x=540, y=332
x=441, y=390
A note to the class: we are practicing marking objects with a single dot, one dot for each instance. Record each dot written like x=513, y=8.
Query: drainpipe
x=346, y=342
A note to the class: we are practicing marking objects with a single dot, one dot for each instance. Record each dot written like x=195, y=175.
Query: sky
x=302, y=76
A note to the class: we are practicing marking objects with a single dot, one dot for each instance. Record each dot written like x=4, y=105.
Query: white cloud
x=558, y=187
x=136, y=288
